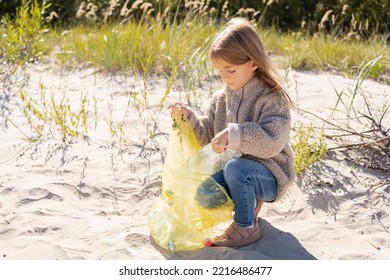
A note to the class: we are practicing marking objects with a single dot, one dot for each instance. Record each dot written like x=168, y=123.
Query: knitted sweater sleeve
x=204, y=125
x=270, y=133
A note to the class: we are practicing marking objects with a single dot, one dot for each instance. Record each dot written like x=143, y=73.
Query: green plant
x=22, y=37
x=306, y=148
x=191, y=74
x=56, y=119
x=21, y=43
x=146, y=43
x=147, y=112
x=364, y=71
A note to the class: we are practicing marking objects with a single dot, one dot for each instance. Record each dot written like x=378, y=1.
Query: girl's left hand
x=220, y=142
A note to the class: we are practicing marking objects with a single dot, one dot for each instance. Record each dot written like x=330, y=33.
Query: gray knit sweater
x=259, y=125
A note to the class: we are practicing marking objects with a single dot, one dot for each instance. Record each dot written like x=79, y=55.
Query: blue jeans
x=245, y=181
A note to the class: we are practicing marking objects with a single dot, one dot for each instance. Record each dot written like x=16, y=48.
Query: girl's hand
x=185, y=112
x=220, y=142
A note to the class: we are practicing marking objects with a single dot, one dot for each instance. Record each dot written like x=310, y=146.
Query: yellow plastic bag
x=191, y=202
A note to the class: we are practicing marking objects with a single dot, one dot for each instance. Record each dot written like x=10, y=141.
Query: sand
x=89, y=198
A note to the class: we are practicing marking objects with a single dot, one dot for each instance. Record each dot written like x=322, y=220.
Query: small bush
x=306, y=148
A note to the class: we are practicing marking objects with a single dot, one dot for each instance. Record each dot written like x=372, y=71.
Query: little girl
x=251, y=115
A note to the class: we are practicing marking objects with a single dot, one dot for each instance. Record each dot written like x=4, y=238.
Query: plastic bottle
x=171, y=246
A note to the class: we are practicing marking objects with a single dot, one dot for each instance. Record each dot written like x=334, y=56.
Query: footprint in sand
x=137, y=240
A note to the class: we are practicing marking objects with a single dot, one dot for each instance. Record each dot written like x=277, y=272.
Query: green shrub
x=307, y=149
x=22, y=36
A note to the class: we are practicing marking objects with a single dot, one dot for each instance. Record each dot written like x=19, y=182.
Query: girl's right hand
x=185, y=112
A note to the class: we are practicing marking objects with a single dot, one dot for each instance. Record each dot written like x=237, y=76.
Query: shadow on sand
x=273, y=245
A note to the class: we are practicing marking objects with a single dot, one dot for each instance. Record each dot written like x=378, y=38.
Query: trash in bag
x=210, y=195
x=191, y=201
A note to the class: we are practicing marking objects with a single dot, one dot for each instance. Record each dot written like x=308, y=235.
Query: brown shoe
x=237, y=236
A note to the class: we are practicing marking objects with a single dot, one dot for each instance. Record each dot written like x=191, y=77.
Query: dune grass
x=323, y=53
x=153, y=47
x=159, y=44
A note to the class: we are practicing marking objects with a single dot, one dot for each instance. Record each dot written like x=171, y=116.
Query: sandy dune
x=89, y=198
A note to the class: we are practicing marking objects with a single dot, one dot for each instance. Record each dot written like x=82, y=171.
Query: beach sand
x=89, y=198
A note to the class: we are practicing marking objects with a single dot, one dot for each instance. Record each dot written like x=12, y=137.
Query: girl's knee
x=234, y=172
x=232, y=166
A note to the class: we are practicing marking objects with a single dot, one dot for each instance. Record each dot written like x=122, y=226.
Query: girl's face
x=234, y=76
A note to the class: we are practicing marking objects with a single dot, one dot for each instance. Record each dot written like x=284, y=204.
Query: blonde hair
x=239, y=43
